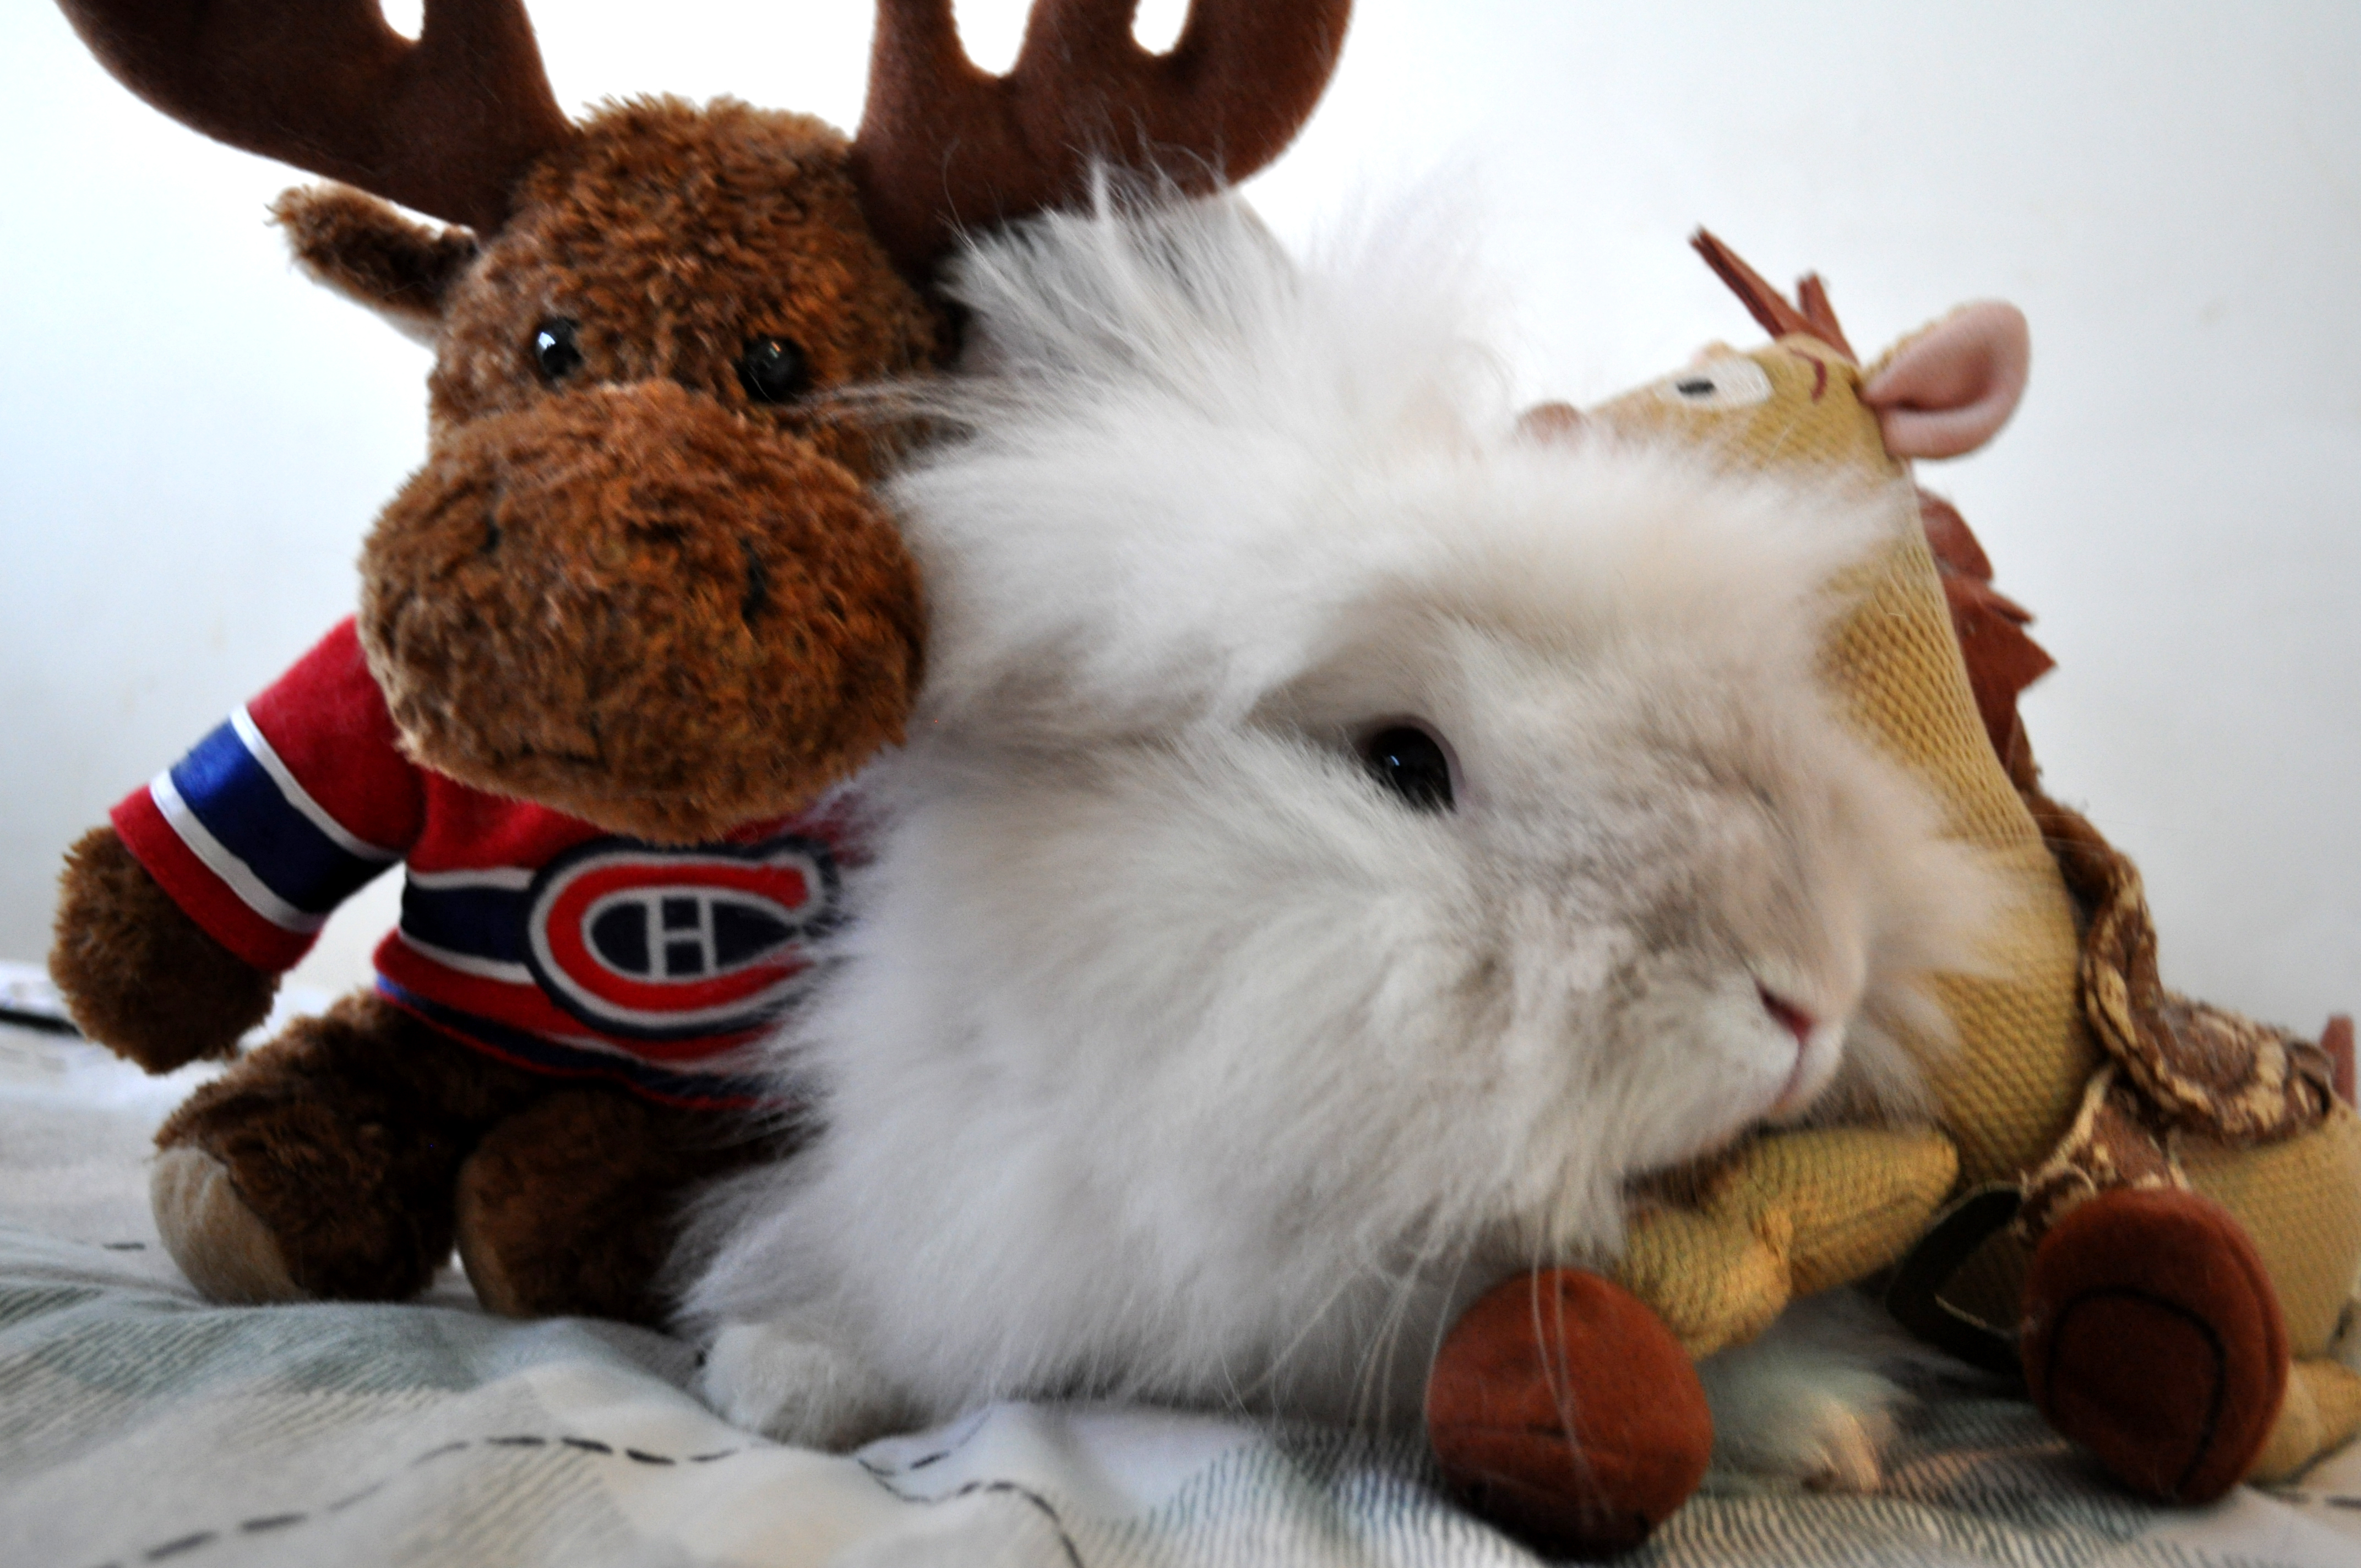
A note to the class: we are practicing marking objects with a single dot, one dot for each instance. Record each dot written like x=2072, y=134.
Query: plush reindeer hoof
x=227, y=1253
x=2152, y=1337
x=1562, y=1411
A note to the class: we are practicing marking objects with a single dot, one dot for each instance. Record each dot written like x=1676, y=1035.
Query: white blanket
x=139, y=1425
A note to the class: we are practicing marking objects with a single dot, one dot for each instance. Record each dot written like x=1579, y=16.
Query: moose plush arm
x=212, y=880
x=142, y=978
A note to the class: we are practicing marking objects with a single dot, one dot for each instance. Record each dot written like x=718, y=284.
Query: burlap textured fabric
x=2010, y=1081
x=1721, y=1256
x=2299, y=1200
x=2175, y=1093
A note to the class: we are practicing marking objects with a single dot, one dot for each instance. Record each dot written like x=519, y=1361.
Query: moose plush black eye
x=774, y=370
x=555, y=353
x=1411, y=763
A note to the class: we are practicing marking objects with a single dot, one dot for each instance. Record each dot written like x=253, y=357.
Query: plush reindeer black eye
x=555, y=353
x=1411, y=763
x=774, y=370
x=1727, y=382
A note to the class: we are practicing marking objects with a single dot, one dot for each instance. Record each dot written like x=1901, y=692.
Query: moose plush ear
x=1951, y=388
x=371, y=254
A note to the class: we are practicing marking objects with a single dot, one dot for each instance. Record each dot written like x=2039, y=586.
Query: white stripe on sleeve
x=300, y=798
x=250, y=889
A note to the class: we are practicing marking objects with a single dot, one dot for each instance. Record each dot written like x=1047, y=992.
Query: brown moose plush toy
x=635, y=614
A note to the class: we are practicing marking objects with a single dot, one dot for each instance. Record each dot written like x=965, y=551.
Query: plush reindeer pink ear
x=1949, y=390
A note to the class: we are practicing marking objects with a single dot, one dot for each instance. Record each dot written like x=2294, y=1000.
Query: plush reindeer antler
x=1769, y=307
x=944, y=145
x=445, y=125
x=1938, y=394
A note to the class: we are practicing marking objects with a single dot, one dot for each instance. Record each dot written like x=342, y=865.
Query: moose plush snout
x=639, y=578
x=643, y=607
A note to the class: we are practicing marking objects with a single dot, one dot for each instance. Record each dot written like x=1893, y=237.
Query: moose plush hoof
x=1563, y=1411
x=226, y=1252
x=2152, y=1336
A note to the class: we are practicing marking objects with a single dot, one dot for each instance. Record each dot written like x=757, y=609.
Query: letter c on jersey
x=654, y=943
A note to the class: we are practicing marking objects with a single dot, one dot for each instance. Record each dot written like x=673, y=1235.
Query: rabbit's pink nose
x=1792, y=1018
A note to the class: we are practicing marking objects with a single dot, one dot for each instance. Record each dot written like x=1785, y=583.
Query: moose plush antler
x=944, y=145
x=637, y=609
x=445, y=125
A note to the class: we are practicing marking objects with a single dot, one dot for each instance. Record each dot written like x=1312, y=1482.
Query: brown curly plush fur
x=672, y=235
x=622, y=586
x=141, y=975
x=545, y=624
x=365, y=251
x=636, y=594
x=344, y=1135
x=585, y=1162
x=631, y=593
x=361, y=1138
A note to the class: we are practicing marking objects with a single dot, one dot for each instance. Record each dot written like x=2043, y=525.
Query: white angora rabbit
x=1341, y=842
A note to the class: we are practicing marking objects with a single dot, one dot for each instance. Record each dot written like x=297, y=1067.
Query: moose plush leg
x=2152, y=1336
x=574, y=1205
x=322, y=1164
x=1563, y=1411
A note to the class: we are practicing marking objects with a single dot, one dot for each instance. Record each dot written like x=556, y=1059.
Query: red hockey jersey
x=528, y=934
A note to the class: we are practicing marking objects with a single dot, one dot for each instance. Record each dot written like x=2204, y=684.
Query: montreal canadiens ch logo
x=660, y=944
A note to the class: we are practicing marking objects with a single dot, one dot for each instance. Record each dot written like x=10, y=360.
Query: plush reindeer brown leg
x=1563, y=1411
x=2152, y=1336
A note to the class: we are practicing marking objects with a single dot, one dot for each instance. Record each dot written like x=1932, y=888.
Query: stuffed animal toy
x=2180, y=1187
x=638, y=610
x=1391, y=834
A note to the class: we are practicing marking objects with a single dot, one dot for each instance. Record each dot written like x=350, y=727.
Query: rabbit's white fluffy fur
x=1171, y=1055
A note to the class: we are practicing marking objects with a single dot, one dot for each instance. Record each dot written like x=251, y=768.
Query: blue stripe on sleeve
x=482, y=922
x=239, y=802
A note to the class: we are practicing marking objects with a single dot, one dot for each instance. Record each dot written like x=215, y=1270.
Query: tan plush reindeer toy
x=2157, y=1214
x=637, y=611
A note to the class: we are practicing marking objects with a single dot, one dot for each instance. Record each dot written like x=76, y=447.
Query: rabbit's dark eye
x=1411, y=763
x=774, y=370
x=555, y=353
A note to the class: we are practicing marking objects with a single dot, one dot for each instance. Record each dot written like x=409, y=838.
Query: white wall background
x=193, y=439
